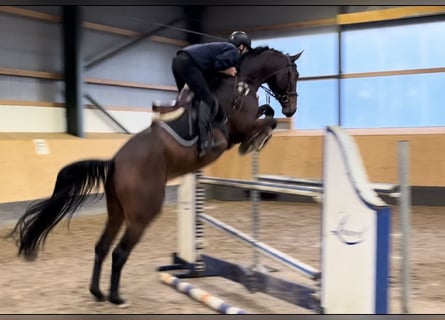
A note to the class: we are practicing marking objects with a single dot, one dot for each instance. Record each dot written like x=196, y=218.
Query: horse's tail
x=74, y=183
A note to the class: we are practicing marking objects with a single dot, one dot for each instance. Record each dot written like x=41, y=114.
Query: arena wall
x=300, y=155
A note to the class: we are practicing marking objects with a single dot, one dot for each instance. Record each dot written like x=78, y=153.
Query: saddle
x=184, y=100
x=179, y=117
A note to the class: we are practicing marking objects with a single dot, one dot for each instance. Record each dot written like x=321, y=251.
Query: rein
x=241, y=89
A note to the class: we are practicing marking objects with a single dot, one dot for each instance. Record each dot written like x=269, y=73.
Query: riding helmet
x=240, y=37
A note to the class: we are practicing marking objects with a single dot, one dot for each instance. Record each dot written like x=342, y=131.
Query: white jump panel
x=355, y=233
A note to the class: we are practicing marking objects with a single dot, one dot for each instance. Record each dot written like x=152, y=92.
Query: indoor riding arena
x=86, y=92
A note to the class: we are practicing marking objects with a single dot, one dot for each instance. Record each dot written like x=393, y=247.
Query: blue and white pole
x=200, y=295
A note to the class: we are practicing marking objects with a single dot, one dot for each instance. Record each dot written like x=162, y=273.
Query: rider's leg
x=177, y=66
x=187, y=70
x=205, y=128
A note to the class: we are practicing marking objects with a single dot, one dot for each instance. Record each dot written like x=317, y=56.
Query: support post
x=72, y=52
x=194, y=17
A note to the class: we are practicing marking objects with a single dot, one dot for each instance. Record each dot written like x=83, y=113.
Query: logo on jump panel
x=348, y=232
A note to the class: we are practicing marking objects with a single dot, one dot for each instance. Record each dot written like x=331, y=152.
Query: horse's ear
x=295, y=57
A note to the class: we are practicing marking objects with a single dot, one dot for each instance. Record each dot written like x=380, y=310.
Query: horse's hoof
x=30, y=256
x=245, y=148
x=250, y=148
x=119, y=302
x=261, y=143
x=242, y=150
x=98, y=295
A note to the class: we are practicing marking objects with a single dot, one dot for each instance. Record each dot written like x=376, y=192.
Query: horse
x=135, y=178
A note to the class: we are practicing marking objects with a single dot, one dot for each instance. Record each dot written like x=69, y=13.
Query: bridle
x=282, y=98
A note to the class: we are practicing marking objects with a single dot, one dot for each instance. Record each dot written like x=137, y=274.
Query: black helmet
x=240, y=37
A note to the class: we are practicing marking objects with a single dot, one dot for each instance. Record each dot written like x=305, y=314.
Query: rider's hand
x=230, y=71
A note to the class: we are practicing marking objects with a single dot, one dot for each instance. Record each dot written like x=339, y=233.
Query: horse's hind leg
x=131, y=237
x=114, y=223
x=139, y=213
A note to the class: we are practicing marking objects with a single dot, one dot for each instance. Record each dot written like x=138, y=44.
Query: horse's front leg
x=258, y=136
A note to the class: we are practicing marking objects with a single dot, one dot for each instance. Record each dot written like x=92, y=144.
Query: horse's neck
x=253, y=82
x=258, y=69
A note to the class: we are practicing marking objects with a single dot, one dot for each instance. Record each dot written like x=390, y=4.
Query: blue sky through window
x=369, y=102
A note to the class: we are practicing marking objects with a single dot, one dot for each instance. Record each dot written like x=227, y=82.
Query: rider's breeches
x=186, y=71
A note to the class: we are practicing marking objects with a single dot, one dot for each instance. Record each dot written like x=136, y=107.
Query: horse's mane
x=253, y=52
x=257, y=50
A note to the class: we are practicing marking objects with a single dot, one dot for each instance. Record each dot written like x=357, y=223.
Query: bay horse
x=134, y=179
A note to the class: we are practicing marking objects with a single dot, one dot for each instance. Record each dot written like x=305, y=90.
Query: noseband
x=282, y=98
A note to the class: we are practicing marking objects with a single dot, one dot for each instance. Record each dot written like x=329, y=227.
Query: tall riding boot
x=204, y=127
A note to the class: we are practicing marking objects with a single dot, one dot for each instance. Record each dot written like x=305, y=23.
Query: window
x=396, y=101
x=318, y=106
x=412, y=100
x=399, y=47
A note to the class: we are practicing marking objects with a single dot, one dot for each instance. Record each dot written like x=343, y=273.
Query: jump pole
x=200, y=295
x=355, y=237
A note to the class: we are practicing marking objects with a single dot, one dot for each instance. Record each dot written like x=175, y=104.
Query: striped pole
x=405, y=219
x=255, y=202
x=200, y=295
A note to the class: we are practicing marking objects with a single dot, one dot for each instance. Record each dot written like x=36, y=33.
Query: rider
x=194, y=64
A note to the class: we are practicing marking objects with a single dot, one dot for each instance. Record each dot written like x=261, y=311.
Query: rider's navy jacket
x=213, y=56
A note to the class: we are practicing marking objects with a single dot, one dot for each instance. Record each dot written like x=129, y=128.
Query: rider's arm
x=226, y=59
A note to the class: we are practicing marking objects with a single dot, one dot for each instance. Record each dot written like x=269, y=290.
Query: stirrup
x=202, y=149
